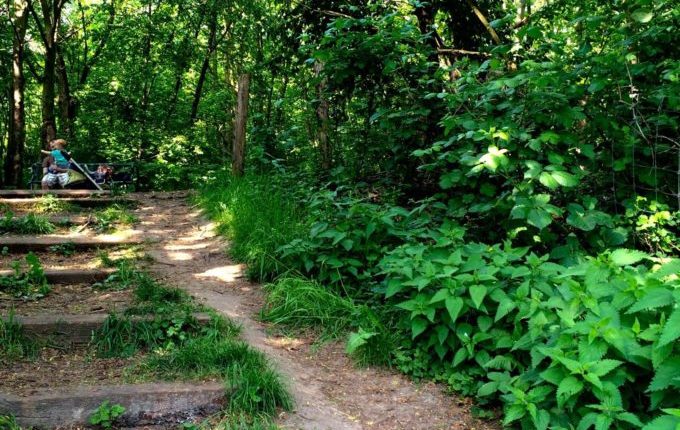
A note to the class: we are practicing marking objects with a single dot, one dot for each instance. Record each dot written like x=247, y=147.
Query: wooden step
x=71, y=276
x=23, y=194
x=29, y=202
x=20, y=244
x=145, y=404
x=69, y=330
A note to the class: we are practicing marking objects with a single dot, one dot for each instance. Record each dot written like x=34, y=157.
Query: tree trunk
x=67, y=106
x=240, y=125
x=322, y=118
x=17, y=125
x=212, y=46
x=48, y=28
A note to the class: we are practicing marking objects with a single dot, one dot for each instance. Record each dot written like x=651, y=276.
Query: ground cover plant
x=109, y=219
x=28, y=224
x=14, y=344
x=29, y=284
x=162, y=324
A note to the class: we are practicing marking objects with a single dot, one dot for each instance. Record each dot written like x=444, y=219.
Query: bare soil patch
x=54, y=368
x=79, y=299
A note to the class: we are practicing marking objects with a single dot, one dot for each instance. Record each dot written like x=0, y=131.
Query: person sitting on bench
x=55, y=165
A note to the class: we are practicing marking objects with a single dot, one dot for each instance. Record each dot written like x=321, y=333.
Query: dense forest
x=483, y=193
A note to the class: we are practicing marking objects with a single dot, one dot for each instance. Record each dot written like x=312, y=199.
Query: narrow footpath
x=330, y=392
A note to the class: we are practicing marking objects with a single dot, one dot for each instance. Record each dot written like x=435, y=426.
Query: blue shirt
x=59, y=159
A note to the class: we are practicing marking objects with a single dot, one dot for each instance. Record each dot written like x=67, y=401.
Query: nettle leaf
x=487, y=389
x=671, y=329
x=627, y=257
x=664, y=422
x=569, y=387
x=477, y=293
x=418, y=326
x=665, y=375
x=653, y=299
x=454, y=305
x=602, y=367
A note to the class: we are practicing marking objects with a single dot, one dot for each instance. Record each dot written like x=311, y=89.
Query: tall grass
x=14, y=344
x=258, y=216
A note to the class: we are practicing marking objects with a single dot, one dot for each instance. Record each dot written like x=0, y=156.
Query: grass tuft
x=302, y=305
x=28, y=224
x=253, y=386
x=14, y=344
x=256, y=215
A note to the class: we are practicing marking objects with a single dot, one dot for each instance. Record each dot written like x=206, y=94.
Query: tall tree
x=17, y=125
x=48, y=25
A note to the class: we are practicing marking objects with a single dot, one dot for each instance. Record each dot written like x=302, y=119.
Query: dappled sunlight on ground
x=225, y=273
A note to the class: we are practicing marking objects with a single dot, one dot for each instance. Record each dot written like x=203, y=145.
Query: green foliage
x=52, y=204
x=258, y=217
x=8, y=422
x=107, y=220
x=66, y=249
x=301, y=305
x=251, y=383
x=28, y=285
x=556, y=345
x=29, y=224
x=14, y=344
x=106, y=415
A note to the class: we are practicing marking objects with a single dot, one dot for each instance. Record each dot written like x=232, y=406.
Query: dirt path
x=330, y=393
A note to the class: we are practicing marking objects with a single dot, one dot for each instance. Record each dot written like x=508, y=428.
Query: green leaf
x=664, y=422
x=671, y=329
x=654, y=298
x=504, y=307
x=418, y=326
x=513, y=413
x=487, y=389
x=565, y=179
x=666, y=374
x=629, y=418
x=477, y=293
x=643, y=15
x=569, y=387
x=454, y=305
x=539, y=218
x=627, y=257
x=602, y=367
x=547, y=180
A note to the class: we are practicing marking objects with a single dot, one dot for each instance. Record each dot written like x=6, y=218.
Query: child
x=58, y=165
x=60, y=156
x=103, y=174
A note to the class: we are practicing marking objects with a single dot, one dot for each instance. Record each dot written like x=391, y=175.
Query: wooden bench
x=123, y=176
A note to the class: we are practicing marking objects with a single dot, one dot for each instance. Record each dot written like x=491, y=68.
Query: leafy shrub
x=593, y=344
x=348, y=238
x=30, y=284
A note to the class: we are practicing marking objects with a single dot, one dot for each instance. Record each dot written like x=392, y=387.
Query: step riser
x=19, y=248
x=145, y=404
x=23, y=194
x=73, y=330
x=28, y=203
x=71, y=276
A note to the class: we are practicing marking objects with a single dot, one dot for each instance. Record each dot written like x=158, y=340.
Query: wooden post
x=322, y=118
x=240, y=126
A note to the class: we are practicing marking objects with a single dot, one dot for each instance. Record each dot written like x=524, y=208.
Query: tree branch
x=484, y=21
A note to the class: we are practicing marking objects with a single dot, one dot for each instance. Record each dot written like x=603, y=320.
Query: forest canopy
x=499, y=181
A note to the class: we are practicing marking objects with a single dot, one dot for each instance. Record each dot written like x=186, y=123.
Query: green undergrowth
x=28, y=224
x=27, y=284
x=258, y=216
x=556, y=336
x=161, y=323
x=299, y=305
x=52, y=204
x=109, y=219
x=14, y=344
